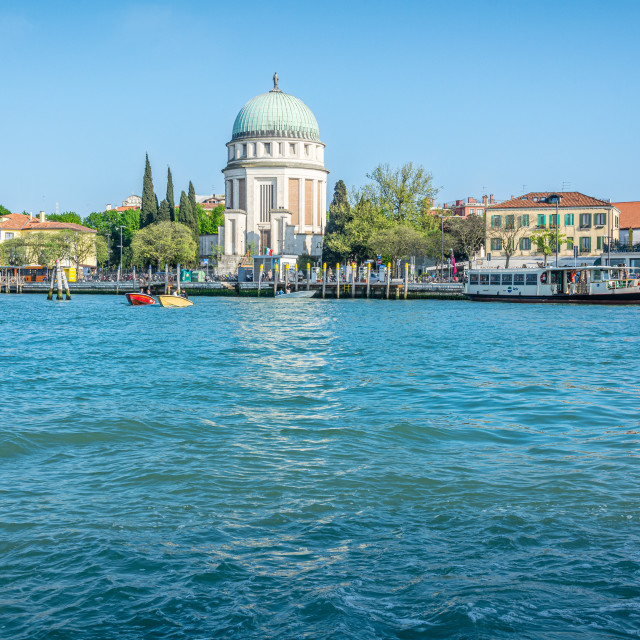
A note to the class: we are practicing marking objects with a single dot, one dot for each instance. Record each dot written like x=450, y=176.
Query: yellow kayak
x=174, y=301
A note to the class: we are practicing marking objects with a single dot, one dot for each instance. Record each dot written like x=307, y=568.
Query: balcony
x=621, y=247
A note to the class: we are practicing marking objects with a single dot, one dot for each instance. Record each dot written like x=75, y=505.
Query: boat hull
x=174, y=301
x=297, y=294
x=613, y=298
x=140, y=299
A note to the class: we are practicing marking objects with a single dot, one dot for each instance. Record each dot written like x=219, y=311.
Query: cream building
x=275, y=180
x=586, y=223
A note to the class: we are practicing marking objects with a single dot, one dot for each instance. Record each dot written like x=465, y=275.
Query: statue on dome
x=275, y=82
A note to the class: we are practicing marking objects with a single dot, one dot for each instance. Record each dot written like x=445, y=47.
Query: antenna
x=524, y=188
x=57, y=208
x=566, y=185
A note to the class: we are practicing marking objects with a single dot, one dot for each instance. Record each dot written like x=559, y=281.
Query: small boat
x=174, y=301
x=296, y=294
x=139, y=299
x=584, y=284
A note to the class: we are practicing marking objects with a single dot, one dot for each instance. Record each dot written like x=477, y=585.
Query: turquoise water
x=318, y=469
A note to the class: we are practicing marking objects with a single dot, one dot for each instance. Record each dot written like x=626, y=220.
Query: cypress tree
x=183, y=215
x=190, y=216
x=149, y=210
x=170, y=199
x=164, y=212
x=192, y=200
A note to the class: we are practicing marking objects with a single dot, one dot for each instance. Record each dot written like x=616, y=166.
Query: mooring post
x=260, y=278
x=388, y=274
x=286, y=278
x=275, y=279
x=166, y=278
x=66, y=285
x=133, y=282
x=59, y=279
x=51, y=279
x=118, y=281
x=296, y=268
x=406, y=279
x=308, y=275
x=338, y=280
x=324, y=277
x=368, y=278
x=178, y=278
x=353, y=279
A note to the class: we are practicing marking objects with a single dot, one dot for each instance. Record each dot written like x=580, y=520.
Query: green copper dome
x=276, y=114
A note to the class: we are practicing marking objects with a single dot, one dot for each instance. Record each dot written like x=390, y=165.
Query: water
x=318, y=469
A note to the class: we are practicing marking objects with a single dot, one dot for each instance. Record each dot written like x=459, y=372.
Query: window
x=496, y=244
x=542, y=221
x=496, y=222
x=553, y=220
x=525, y=244
x=292, y=148
x=472, y=212
x=507, y=279
x=585, y=243
x=306, y=149
x=244, y=150
x=600, y=219
x=524, y=220
x=509, y=222
x=267, y=148
x=569, y=242
x=585, y=220
x=600, y=243
x=479, y=212
x=532, y=278
x=280, y=148
x=495, y=278
x=8, y=236
x=535, y=199
x=473, y=278
x=518, y=278
x=484, y=278
x=617, y=222
x=568, y=219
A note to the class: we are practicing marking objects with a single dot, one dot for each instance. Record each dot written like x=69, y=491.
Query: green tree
x=192, y=197
x=164, y=211
x=149, y=210
x=169, y=198
x=14, y=252
x=4, y=211
x=164, y=243
x=545, y=241
x=43, y=247
x=337, y=245
x=67, y=216
x=405, y=195
x=102, y=251
x=399, y=241
x=469, y=234
x=209, y=221
x=108, y=224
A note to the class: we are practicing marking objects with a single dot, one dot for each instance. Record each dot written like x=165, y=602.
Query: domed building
x=275, y=180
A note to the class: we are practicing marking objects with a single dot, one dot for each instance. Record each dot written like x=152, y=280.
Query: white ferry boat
x=586, y=284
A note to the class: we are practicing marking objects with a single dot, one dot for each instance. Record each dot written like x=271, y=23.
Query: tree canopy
x=164, y=243
x=149, y=210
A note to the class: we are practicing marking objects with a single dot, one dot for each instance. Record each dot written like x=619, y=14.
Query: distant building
x=19, y=225
x=132, y=202
x=472, y=206
x=209, y=203
x=586, y=222
x=629, y=222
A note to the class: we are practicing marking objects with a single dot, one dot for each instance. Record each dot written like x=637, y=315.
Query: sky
x=497, y=97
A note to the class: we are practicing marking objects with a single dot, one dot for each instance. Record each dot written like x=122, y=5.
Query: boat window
x=518, y=278
x=531, y=279
x=495, y=278
x=556, y=277
x=597, y=275
x=484, y=278
x=473, y=278
x=507, y=278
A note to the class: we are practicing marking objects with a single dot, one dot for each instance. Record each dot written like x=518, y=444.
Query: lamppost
x=441, y=246
x=121, y=227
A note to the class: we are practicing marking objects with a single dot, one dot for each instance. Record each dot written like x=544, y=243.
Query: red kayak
x=137, y=299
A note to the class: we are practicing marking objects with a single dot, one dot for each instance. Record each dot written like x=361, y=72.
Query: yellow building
x=585, y=222
x=81, y=249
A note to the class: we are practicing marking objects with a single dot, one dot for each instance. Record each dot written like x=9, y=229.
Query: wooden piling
x=59, y=279
x=286, y=280
x=388, y=274
x=66, y=284
x=275, y=279
x=406, y=279
x=178, y=278
x=260, y=274
x=166, y=278
x=324, y=278
x=338, y=280
x=133, y=282
x=118, y=282
x=308, y=275
x=296, y=268
x=51, y=279
x=368, y=278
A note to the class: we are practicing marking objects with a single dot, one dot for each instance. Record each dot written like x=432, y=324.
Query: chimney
x=485, y=199
x=491, y=201
x=458, y=203
x=108, y=208
x=41, y=216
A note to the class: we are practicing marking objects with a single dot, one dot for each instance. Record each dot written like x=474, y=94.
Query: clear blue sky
x=483, y=94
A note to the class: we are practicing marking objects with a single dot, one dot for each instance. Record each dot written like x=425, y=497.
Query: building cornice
x=285, y=163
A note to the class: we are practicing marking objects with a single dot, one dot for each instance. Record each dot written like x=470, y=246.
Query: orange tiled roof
x=629, y=214
x=567, y=199
x=20, y=222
